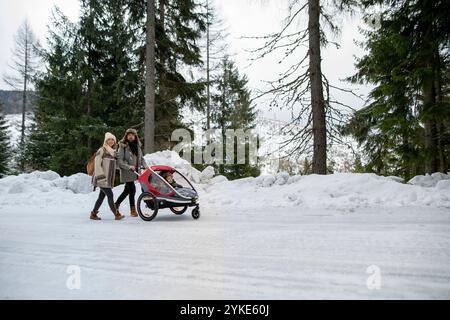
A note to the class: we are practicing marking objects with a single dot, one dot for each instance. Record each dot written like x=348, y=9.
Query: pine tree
x=5, y=149
x=118, y=71
x=95, y=78
x=181, y=30
x=385, y=127
x=150, y=78
x=24, y=67
x=179, y=26
x=88, y=88
x=404, y=128
x=215, y=51
x=232, y=109
x=58, y=90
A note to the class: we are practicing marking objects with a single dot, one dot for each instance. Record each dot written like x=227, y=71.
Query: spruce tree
x=386, y=127
x=24, y=67
x=179, y=26
x=89, y=87
x=404, y=129
x=57, y=91
x=215, y=50
x=232, y=109
x=95, y=78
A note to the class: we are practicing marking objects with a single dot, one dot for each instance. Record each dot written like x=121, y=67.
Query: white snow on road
x=273, y=237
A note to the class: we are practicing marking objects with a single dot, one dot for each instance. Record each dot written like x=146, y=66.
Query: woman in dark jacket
x=130, y=159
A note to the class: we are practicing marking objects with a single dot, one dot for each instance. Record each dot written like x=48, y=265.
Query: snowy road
x=230, y=253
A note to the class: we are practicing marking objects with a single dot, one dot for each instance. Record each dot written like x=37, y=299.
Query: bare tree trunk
x=89, y=96
x=440, y=127
x=222, y=117
x=149, y=134
x=429, y=99
x=208, y=92
x=89, y=111
x=24, y=93
x=431, y=147
x=317, y=99
x=162, y=56
x=24, y=102
x=440, y=131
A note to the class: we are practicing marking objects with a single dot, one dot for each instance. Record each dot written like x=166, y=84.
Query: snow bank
x=429, y=180
x=77, y=183
x=45, y=182
x=173, y=159
x=45, y=188
x=443, y=185
x=342, y=191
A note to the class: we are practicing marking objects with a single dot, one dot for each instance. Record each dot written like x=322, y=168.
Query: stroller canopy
x=163, y=168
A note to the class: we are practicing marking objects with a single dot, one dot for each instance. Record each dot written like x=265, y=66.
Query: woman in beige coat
x=104, y=174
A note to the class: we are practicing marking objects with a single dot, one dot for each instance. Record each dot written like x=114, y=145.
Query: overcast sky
x=242, y=17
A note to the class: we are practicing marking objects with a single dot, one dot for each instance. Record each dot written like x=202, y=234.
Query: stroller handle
x=136, y=172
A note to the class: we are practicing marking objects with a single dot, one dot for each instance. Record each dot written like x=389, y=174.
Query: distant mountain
x=11, y=101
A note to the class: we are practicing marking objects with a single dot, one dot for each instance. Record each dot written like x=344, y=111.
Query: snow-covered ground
x=271, y=237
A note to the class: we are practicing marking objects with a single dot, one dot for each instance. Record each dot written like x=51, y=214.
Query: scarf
x=110, y=150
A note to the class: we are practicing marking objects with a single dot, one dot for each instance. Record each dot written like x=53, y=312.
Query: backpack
x=90, y=167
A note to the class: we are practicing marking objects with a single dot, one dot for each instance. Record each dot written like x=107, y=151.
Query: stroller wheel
x=196, y=213
x=147, y=206
x=179, y=210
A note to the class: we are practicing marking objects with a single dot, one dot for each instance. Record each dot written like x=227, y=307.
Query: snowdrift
x=433, y=180
x=172, y=159
x=342, y=191
x=45, y=181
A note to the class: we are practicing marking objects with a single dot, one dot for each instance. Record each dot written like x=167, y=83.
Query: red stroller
x=157, y=193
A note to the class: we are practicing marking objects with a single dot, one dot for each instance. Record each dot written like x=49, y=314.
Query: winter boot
x=94, y=216
x=118, y=215
x=133, y=212
x=117, y=208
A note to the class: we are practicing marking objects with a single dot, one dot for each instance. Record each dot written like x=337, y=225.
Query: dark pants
x=105, y=192
x=130, y=190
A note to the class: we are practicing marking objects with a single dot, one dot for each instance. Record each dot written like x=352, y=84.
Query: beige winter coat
x=105, y=169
